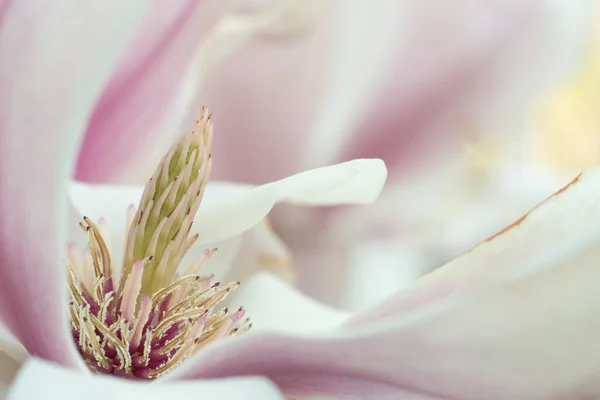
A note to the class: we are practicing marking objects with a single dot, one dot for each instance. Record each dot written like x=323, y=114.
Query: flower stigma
x=144, y=323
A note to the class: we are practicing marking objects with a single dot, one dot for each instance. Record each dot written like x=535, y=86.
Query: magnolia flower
x=111, y=317
x=513, y=318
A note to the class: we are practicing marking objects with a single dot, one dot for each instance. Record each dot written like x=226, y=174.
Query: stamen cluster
x=155, y=317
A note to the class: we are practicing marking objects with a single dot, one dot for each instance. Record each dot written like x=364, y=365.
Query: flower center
x=152, y=318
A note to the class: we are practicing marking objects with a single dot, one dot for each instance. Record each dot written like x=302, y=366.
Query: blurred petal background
x=480, y=110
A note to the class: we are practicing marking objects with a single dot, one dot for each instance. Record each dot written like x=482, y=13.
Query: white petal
x=229, y=209
x=39, y=379
x=106, y=201
x=228, y=212
x=261, y=250
x=220, y=262
x=274, y=305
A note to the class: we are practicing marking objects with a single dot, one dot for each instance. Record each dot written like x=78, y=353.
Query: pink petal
x=411, y=112
x=143, y=101
x=265, y=101
x=39, y=379
x=516, y=317
x=53, y=62
x=425, y=89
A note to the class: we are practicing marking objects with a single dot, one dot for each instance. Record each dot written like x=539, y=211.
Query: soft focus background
x=480, y=110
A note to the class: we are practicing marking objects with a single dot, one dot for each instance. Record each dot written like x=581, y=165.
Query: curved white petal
x=220, y=262
x=273, y=305
x=229, y=209
x=260, y=249
x=353, y=182
x=39, y=379
x=554, y=230
x=104, y=201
